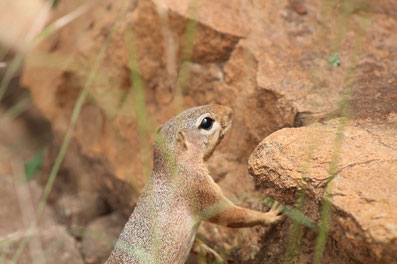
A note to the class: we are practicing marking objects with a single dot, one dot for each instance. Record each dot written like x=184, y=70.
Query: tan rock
x=364, y=190
x=100, y=237
x=77, y=210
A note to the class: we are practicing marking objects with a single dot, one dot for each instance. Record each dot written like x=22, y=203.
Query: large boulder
x=363, y=191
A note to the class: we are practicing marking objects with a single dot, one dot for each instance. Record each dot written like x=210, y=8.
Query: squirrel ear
x=181, y=138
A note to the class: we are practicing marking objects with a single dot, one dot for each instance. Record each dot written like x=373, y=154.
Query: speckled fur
x=181, y=193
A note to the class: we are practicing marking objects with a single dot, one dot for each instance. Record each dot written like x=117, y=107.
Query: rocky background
x=313, y=85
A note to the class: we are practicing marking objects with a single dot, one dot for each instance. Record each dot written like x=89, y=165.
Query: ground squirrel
x=181, y=193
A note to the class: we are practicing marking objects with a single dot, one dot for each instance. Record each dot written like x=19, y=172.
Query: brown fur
x=181, y=193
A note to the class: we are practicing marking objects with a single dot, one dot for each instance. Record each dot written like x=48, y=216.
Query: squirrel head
x=196, y=131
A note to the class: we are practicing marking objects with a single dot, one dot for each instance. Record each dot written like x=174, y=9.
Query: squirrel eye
x=206, y=123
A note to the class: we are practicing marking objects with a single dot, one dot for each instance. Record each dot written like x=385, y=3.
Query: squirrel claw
x=274, y=214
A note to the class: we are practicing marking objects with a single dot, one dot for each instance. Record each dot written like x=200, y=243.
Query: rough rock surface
x=364, y=190
x=265, y=59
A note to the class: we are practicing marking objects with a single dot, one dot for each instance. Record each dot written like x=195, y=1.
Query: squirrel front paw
x=274, y=214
